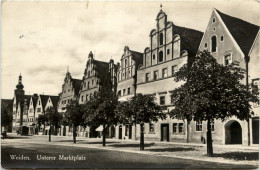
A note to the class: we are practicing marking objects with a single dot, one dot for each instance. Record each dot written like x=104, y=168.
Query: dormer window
x=161, y=38
x=214, y=20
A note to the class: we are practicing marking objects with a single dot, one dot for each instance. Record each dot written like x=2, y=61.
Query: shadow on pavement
x=132, y=145
x=178, y=149
x=239, y=155
x=97, y=142
x=17, y=137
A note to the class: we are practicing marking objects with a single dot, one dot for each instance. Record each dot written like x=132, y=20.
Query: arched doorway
x=233, y=133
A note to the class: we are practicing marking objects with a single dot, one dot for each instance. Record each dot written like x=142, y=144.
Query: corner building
x=230, y=39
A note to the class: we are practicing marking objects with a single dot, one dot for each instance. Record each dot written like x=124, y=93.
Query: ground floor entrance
x=233, y=132
x=165, y=132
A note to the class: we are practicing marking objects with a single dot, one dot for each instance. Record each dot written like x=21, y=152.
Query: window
x=88, y=73
x=123, y=91
x=214, y=20
x=227, y=59
x=128, y=90
x=160, y=56
x=161, y=38
x=119, y=93
x=68, y=90
x=85, y=84
x=174, y=68
x=213, y=43
x=214, y=29
x=162, y=100
x=147, y=77
x=64, y=101
x=212, y=125
x=206, y=45
x=39, y=102
x=199, y=126
x=86, y=98
x=92, y=81
x=172, y=99
x=126, y=130
x=168, y=51
x=38, y=109
x=181, y=128
x=164, y=73
x=222, y=38
x=88, y=85
x=155, y=75
x=82, y=98
x=125, y=62
x=174, y=128
x=151, y=128
x=153, y=56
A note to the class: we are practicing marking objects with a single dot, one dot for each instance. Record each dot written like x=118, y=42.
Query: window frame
x=151, y=128
x=199, y=126
x=162, y=97
x=160, y=56
x=163, y=76
x=154, y=77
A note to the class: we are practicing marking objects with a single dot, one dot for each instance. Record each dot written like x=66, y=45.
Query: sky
x=41, y=40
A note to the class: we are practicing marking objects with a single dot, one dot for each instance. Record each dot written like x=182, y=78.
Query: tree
x=73, y=116
x=211, y=91
x=141, y=109
x=41, y=120
x=53, y=118
x=6, y=118
x=100, y=110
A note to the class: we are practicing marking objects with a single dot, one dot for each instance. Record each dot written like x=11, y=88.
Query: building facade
x=126, y=87
x=230, y=39
x=69, y=92
x=170, y=47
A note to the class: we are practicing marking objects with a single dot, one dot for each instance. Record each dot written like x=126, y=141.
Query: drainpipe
x=247, y=59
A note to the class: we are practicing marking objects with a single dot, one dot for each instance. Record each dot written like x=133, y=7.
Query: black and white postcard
x=134, y=84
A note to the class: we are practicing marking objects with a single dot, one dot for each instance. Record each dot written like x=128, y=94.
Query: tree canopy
x=211, y=91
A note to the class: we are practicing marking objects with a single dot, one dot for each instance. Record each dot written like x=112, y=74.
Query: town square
x=130, y=84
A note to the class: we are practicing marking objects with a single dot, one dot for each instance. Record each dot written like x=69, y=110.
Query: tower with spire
x=19, y=87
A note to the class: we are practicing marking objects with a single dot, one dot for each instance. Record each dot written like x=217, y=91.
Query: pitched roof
x=137, y=57
x=54, y=100
x=243, y=32
x=28, y=98
x=44, y=99
x=76, y=85
x=101, y=67
x=34, y=99
x=190, y=39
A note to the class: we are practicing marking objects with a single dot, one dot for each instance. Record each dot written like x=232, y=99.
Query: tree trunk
x=50, y=133
x=209, y=140
x=187, y=128
x=142, y=137
x=74, y=134
x=43, y=129
x=104, y=135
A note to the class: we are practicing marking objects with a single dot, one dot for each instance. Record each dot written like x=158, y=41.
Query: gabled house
x=170, y=47
x=231, y=39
